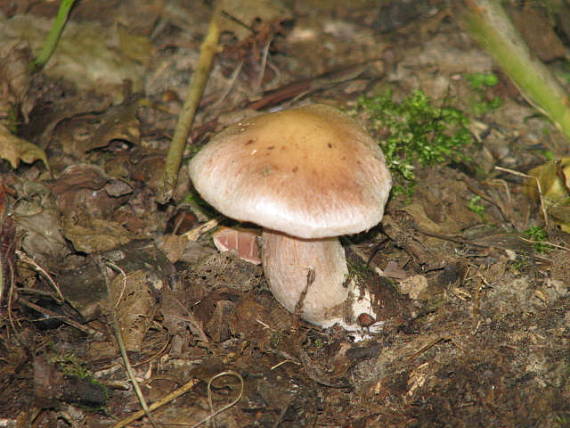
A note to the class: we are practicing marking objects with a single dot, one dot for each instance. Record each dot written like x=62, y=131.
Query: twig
x=231, y=84
x=485, y=197
x=538, y=186
x=26, y=259
x=284, y=362
x=489, y=24
x=194, y=234
x=428, y=346
x=54, y=34
x=195, y=326
x=306, y=86
x=168, y=398
x=550, y=244
x=186, y=119
x=11, y=297
x=263, y=64
x=227, y=406
x=121, y=343
x=60, y=317
x=124, y=276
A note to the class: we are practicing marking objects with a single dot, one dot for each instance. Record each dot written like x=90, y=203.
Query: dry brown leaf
x=248, y=12
x=15, y=149
x=135, y=304
x=88, y=53
x=554, y=180
x=15, y=57
x=84, y=188
x=95, y=235
x=38, y=224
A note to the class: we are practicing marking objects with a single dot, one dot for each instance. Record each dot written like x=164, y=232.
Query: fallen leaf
x=15, y=57
x=38, y=224
x=94, y=235
x=88, y=53
x=84, y=188
x=554, y=180
x=15, y=149
x=135, y=304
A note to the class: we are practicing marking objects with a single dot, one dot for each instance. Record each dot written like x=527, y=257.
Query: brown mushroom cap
x=310, y=172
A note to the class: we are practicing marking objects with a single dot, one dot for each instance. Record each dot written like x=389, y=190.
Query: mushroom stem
x=287, y=262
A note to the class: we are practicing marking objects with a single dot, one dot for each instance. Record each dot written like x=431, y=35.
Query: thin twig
x=231, y=84
x=168, y=398
x=186, y=119
x=227, y=406
x=284, y=362
x=124, y=276
x=26, y=259
x=263, y=64
x=55, y=315
x=54, y=34
x=122, y=348
x=550, y=244
x=428, y=346
x=488, y=22
x=194, y=234
x=195, y=326
x=538, y=186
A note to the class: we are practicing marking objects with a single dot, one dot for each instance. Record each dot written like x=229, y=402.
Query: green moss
x=480, y=106
x=480, y=103
x=357, y=269
x=476, y=206
x=538, y=236
x=73, y=368
x=415, y=132
x=482, y=80
x=70, y=365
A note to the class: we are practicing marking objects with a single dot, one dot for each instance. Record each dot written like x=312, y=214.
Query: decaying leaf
x=88, y=53
x=86, y=188
x=247, y=12
x=554, y=180
x=16, y=150
x=118, y=123
x=179, y=248
x=94, y=235
x=38, y=224
x=129, y=265
x=135, y=305
x=14, y=78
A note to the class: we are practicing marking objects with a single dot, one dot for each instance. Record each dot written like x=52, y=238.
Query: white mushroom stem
x=330, y=297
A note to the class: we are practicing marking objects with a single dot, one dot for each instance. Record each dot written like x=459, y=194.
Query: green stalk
x=54, y=34
x=488, y=23
x=186, y=117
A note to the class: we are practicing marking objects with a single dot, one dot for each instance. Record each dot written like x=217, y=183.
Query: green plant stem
x=54, y=34
x=488, y=23
x=186, y=118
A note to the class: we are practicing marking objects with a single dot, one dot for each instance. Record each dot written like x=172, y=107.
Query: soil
x=478, y=328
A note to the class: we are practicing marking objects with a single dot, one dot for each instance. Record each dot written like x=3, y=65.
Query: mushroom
x=306, y=175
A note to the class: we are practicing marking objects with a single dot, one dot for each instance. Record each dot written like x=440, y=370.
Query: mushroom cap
x=309, y=172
